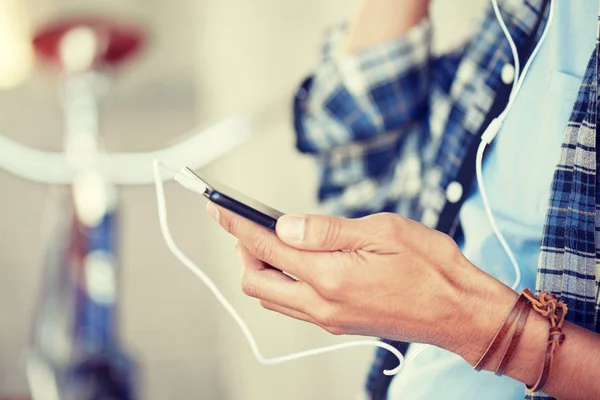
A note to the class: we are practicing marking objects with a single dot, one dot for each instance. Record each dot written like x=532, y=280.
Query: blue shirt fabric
x=518, y=171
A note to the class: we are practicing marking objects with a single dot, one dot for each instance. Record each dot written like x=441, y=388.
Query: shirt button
x=454, y=192
x=508, y=73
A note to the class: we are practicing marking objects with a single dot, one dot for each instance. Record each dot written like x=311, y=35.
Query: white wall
x=209, y=58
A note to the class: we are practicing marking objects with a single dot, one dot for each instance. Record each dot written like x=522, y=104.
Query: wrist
x=484, y=317
x=528, y=359
x=484, y=311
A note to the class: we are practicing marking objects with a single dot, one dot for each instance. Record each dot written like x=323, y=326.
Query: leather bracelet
x=501, y=333
x=545, y=304
x=555, y=311
x=520, y=326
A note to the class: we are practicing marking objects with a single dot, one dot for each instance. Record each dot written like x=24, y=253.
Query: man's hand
x=381, y=275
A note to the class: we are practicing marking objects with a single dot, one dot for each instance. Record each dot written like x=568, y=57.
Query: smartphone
x=238, y=203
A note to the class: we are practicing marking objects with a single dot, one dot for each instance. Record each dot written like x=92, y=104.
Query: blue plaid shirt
x=393, y=126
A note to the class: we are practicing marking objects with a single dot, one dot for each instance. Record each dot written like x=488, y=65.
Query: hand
x=381, y=275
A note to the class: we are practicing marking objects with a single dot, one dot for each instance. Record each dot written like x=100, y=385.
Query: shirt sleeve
x=364, y=116
x=356, y=97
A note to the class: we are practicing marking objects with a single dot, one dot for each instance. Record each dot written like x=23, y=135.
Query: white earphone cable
x=164, y=227
x=494, y=128
x=511, y=43
x=487, y=137
x=490, y=133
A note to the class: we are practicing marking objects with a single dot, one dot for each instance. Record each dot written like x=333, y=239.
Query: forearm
x=575, y=372
x=379, y=21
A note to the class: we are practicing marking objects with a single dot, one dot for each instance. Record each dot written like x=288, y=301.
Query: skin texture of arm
x=401, y=280
x=379, y=21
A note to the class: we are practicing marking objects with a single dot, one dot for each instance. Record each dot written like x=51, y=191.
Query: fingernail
x=291, y=227
x=212, y=210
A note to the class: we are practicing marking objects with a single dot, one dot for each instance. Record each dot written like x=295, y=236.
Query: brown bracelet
x=501, y=333
x=555, y=311
x=521, y=320
x=549, y=307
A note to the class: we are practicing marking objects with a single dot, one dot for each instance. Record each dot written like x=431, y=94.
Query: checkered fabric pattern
x=391, y=126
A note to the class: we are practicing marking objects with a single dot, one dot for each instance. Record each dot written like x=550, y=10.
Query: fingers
x=274, y=287
x=269, y=286
x=288, y=312
x=375, y=233
x=264, y=244
x=320, y=232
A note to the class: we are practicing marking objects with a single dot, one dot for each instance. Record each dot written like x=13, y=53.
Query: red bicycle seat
x=117, y=42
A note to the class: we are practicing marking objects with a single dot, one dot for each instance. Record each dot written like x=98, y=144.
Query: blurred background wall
x=207, y=59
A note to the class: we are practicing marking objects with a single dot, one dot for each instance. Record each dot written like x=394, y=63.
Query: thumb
x=320, y=232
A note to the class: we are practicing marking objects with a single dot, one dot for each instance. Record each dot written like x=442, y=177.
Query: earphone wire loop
x=166, y=233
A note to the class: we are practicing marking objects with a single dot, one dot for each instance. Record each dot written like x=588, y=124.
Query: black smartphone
x=239, y=203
